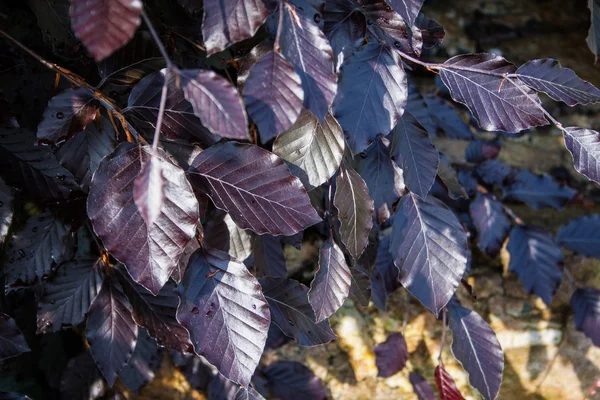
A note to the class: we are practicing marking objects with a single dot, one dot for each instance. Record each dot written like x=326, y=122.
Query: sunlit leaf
x=149, y=189
x=221, y=232
x=408, y=9
x=584, y=146
x=6, y=209
x=345, y=27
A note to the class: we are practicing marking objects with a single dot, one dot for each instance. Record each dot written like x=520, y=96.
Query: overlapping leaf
x=79, y=377
x=355, y=211
x=451, y=180
x=255, y=187
x=475, y=346
x=384, y=276
x=273, y=95
x=68, y=295
x=150, y=252
x=140, y=369
x=268, y=256
x=477, y=80
x=446, y=118
x=224, y=310
x=414, y=152
x=104, y=26
x=391, y=355
x=110, y=329
x=417, y=106
x=491, y=223
x=561, y=84
x=408, y=9
x=292, y=312
x=55, y=23
x=584, y=146
x=292, y=380
x=446, y=386
x=221, y=388
x=6, y=209
x=12, y=342
x=220, y=232
x=421, y=386
x=538, y=191
x=372, y=95
x=494, y=172
x=313, y=149
x=586, y=305
x=536, y=258
x=582, y=235
x=361, y=287
x=345, y=27
x=432, y=32
x=429, y=247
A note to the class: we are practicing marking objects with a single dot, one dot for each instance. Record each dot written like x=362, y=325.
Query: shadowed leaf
x=345, y=27
x=586, y=305
x=421, y=386
x=432, y=32
x=581, y=235
x=451, y=180
x=391, y=355
x=479, y=151
x=445, y=118
x=293, y=381
x=12, y=342
x=538, y=191
x=584, y=146
x=81, y=379
x=144, y=361
x=491, y=222
x=268, y=256
x=360, y=285
x=384, y=276
x=494, y=172
x=7, y=197
x=593, y=37
x=221, y=233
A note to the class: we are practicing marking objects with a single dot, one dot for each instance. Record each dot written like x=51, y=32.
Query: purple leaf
x=429, y=247
x=391, y=355
x=584, y=146
x=292, y=312
x=586, y=305
x=537, y=259
x=182, y=265
x=421, y=386
x=383, y=178
x=179, y=120
x=361, y=285
x=476, y=347
x=417, y=106
x=110, y=329
x=67, y=114
x=372, y=95
x=221, y=233
x=221, y=388
x=81, y=379
x=432, y=32
x=7, y=198
x=479, y=151
x=230, y=21
x=224, y=310
x=593, y=37
x=408, y=9
x=216, y=102
x=494, y=172
x=104, y=26
x=446, y=118
x=157, y=313
x=268, y=256
x=414, y=152
x=538, y=191
x=446, y=386
x=35, y=251
x=345, y=27
x=581, y=235
x=561, y=84
x=273, y=95
x=313, y=149
x=68, y=295
x=12, y=342
x=149, y=252
x=142, y=365
x=331, y=284
x=149, y=189
x=451, y=180
x=497, y=105
x=491, y=222
x=291, y=380
x=355, y=211
x=304, y=45
x=273, y=200
x=384, y=274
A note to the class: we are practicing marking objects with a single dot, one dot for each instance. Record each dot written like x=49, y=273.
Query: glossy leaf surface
x=221, y=232
x=149, y=189
x=584, y=146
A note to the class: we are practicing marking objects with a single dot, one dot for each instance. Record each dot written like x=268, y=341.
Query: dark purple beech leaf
x=234, y=174
x=13, y=396
x=216, y=102
x=273, y=95
x=12, y=342
x=83, y=152
x=355, y=211
x=179, y=120
x=497, y=105
x=451, y=180
x=67, y=114
x=304, y=45
x=476, y=347
x=81, y=379
x=223, y=308
x=292, y=312
x=446, y=386
x=383, y=178
x=429, y=247
x=221, y=388
x=421, y=386
x=7, y=197
x=491, y=223
x=230, y=21
x=537, y=259
x=417, y=106
x=331, y=284
x=391, y=355
x=361, y=285
x=538, y=191
x=593, y=37
x=268, y=256
x=408, y=9
x=586, y=306
x=35, y=251
x=446, y=118
x=144, y=361
x=384, y=276
x=584, y=146
x=432, y=32
x=150, y=252
x=68, y=295
x=104, y=26
x=581, y=235
x=157, y=313
x=479, y=151
x=314, y=150
x=149, y=189
x=110, y=329
x=494, y=172
x=414, y=152
x=291, y=380
x=33, y=168
x=468, y=181
x=561, y=84
x=372, y=95
x=345, y=27
x=221, y=233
